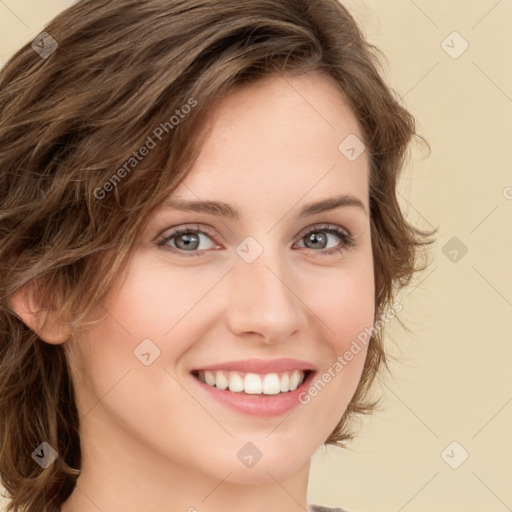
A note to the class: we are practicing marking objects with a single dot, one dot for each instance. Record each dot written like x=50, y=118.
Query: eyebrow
x=225, y=210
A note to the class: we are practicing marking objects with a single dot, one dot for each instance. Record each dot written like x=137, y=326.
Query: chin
x=249, y=465
x=261, y=473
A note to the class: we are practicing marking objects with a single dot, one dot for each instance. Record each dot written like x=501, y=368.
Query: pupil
x=189, y=240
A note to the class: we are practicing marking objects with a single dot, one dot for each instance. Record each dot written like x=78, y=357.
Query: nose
x=263, y=302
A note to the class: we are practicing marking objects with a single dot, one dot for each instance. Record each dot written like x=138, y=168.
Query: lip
x=262, y=406
x=260, y=365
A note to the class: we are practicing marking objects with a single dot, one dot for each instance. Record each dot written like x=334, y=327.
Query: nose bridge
x=261, y=296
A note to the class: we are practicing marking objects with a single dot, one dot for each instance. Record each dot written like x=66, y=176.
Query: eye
x=186, y=240
x=318, y=238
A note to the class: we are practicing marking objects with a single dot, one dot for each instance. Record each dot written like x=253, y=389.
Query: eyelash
x=341, y=233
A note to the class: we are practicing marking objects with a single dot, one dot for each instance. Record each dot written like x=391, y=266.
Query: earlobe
x=37, y=318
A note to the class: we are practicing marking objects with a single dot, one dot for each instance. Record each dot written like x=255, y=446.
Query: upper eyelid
x=323, y=226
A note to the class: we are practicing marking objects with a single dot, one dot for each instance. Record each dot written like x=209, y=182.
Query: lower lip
x=257, y=405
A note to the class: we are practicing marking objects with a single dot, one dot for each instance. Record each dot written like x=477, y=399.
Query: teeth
x=236, y=382
x=285, y=382
x=271, y=384
x=220, y=380
x=253, y=383
x=209, y=378
x=295, y=380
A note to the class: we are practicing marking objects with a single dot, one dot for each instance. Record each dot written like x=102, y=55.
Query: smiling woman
x=173, y=324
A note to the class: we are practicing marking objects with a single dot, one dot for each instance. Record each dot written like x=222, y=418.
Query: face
x=258, y=302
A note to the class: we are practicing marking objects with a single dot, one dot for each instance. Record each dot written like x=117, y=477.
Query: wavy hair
x=71, y=118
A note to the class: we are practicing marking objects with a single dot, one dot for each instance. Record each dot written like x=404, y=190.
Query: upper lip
x=260, y=365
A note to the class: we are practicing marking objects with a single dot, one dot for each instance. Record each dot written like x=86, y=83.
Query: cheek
x=149, y=304
x=156, y=303
x=344, y=300
x=154, y=299
x=351, y=308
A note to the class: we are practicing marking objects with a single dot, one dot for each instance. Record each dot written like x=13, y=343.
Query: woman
x=199, y=235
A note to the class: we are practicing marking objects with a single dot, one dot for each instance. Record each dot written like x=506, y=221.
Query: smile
x=252, y=383
x=255, y=387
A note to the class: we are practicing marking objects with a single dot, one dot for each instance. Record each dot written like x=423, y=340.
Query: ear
x=38, y=319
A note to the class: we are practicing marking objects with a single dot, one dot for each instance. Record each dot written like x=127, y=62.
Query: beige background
x=453, y=381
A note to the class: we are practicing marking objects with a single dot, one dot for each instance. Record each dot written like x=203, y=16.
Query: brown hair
x=69, y=221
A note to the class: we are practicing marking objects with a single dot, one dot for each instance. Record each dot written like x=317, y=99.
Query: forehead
x=278, y=140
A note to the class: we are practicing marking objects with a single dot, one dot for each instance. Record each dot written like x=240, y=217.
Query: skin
x=151, y=438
